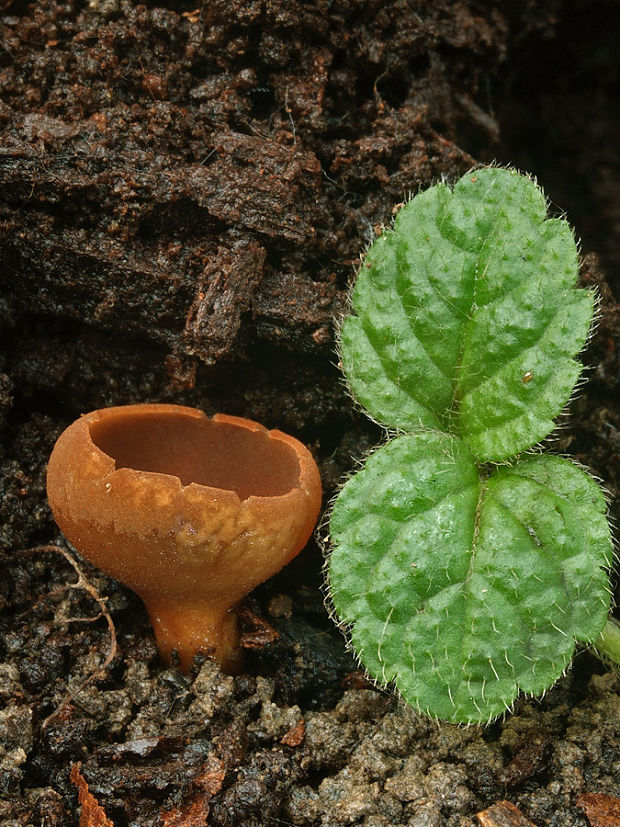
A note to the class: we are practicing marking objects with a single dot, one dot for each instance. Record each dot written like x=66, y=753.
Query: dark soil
x=184, y=195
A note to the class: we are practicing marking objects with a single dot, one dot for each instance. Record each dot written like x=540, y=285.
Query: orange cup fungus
x=191, y=513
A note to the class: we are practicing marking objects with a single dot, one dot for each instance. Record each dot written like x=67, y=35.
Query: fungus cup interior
x=199, y=450
x=191, y=513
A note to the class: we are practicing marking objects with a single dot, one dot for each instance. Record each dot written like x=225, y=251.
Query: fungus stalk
x=191, y=513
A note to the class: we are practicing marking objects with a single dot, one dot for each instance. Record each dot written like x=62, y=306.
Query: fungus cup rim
x=296, y=448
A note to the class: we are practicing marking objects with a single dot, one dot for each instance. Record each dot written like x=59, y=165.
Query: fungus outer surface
x=191, y=513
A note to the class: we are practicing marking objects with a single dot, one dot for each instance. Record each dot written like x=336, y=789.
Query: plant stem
x=608, y=642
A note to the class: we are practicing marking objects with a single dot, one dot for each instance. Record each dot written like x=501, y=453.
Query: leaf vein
x=388, y=372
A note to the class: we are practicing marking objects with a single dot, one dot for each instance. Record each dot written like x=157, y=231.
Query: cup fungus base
x=190, y=630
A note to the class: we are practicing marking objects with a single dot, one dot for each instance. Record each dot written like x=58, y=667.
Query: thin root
x=82, y=583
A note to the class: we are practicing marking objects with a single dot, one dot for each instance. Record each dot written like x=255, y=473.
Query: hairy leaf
x=462, y=582
x=466, y=316
x=465, y=590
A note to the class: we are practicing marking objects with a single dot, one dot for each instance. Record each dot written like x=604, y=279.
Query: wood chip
x=295, y=736
x=601, y=810
x=93, y=814
x=503, y=814
x=195, y=812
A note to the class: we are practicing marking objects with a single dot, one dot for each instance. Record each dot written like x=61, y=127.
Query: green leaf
x=465, y=589
x=462, y=584
x=466, y=316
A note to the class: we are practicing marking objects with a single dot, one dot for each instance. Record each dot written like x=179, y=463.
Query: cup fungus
x=191, y=513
